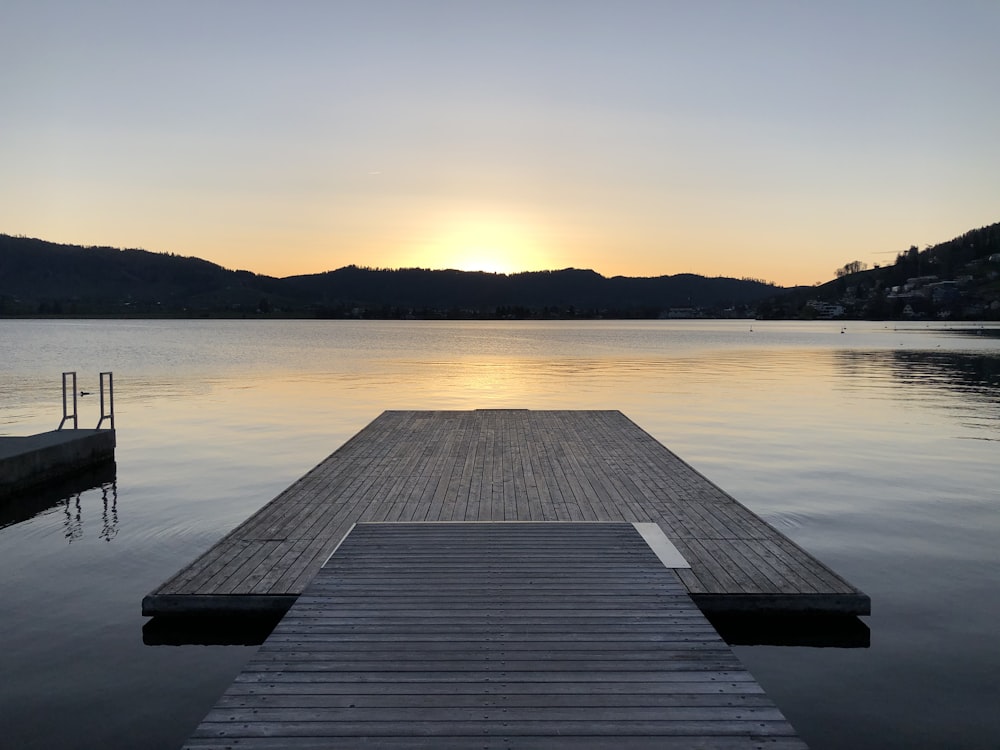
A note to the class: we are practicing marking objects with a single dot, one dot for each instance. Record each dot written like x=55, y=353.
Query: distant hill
x=44, y=278
x=954, y=280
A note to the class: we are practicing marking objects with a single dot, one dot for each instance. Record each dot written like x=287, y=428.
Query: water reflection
x=934, y=376
x=109, y=518
x=976, y=330
x=73, y=522
x=67, y=495
x=73, y=527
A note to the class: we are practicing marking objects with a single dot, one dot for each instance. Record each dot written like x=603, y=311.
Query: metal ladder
x=107, y=404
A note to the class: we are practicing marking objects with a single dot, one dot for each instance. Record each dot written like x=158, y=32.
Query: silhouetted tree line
x=44, y=278
x=38, y=277
x=855, y=266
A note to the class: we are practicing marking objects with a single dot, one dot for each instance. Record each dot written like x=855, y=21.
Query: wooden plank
x=466, y=700
x=497, y=743
x=436, y=633
x=538, y=683
x=514, y=465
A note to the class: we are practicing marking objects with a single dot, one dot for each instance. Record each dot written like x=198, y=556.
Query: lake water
x=876, y=448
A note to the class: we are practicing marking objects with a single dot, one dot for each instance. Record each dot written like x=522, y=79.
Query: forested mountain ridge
x=45, y=278
x=954, y=280
x=957, y=279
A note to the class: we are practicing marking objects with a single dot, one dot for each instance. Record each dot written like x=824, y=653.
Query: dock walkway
x=494, y=635
x=507, y=465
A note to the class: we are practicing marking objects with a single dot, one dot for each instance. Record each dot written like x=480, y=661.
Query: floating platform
x=507, y=465
x=30, y=461
x=496, y=635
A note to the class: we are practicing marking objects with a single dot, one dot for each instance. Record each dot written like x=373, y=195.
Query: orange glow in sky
x=767, y=140
x=482, y=242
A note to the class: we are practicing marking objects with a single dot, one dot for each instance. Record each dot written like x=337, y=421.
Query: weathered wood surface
x=494, y=636
x=507, y=465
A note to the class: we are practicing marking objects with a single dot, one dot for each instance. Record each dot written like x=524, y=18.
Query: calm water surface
x=877, y=449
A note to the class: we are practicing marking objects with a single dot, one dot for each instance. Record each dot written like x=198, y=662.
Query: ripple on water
x=787, y=519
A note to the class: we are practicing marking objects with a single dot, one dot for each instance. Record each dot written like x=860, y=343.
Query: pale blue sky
x=767, y=139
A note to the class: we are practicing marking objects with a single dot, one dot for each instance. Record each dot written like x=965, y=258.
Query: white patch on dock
x=669, y=555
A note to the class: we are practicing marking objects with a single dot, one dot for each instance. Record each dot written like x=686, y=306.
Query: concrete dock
x=507, y=465
x=29, y=461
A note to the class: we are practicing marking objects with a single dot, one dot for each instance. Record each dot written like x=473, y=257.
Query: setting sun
x=490, y=260
x=493, y=244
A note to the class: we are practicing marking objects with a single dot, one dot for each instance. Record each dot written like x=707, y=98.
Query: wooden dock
x=507, y=465
x=494, y=635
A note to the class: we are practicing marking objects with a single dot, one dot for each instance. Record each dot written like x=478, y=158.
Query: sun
x=487, y=259
x=493, y=244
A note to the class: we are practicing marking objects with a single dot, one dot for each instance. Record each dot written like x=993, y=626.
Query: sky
x=775, y=140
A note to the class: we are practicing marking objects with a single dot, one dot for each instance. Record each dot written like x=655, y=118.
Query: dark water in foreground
x=877, y=449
